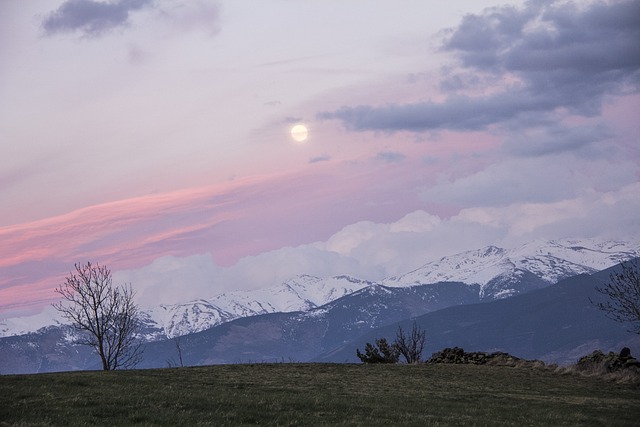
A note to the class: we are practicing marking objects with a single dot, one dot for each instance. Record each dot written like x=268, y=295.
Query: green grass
x=306, y=394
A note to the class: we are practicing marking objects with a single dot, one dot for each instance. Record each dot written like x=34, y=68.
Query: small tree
x=411, y=346
x=381, y=352
x=105, y=315
x=171, y=362
x=623, y=292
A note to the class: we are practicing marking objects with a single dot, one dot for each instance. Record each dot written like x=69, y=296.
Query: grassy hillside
x=287, y=394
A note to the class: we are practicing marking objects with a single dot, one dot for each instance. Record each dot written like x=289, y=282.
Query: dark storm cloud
x=557, y=56
x=91, y=17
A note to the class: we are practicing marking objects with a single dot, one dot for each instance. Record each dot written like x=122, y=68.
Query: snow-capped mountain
x=167, y=321
x=25, y=324
x=308, y=316
x=557, y=324
x=499, y=272
x=302, y=293
x=535, y=264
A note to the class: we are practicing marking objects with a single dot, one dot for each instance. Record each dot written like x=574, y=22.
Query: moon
x=299, y=133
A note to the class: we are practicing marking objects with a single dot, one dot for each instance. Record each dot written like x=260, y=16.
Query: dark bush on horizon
x=409, y=346
x=380, y=352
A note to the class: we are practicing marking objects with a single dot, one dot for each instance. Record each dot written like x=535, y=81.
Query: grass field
x=307, y=394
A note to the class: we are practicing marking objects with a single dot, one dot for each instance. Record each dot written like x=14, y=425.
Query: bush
x=381, y=352
x=408, y=345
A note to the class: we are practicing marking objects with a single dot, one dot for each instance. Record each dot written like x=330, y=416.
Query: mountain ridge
x=549, y=260
x=555, y=323
x=499, y=272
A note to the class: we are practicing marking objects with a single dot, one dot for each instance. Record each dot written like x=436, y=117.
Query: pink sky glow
x=155, y=139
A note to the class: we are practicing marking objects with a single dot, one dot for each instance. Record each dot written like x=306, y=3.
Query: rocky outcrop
x=610, y=362
x=457, y=355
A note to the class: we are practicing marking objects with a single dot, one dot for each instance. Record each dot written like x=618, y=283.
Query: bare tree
x=623, y=292
x=105, y=315
x=176, y=341
x=411, y=346
x=171, y=362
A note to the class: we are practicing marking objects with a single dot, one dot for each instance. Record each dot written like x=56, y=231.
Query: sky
x=153, y=136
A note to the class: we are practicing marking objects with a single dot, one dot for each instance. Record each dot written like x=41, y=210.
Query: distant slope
x=297, y=336
x=48, y=350
x=301, y=293
x=301, y=336
x=556, y=324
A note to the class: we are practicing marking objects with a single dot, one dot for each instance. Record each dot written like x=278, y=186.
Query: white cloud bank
x=377, y=250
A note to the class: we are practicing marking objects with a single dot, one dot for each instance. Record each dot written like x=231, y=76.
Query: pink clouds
x=228, y=221
x=122, y=234
x=375, y=250
x=484, y=127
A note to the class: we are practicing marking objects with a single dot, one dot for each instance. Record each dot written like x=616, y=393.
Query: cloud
x=120, y=234
x=391, y=156
x=292, y=119
x=151, y=241
x=531, y=179
x=230, y=221
x=175, y=279
x=593, y=214
x=136, y=55
x=558, y=139
x=460, y=112
x=192, y=15
x=556, y=47
x=544, y=61
x=373, y=251
x=91, y=17
x=317, y=159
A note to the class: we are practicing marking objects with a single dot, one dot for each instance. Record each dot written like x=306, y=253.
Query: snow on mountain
x=181, y=319
x=597, y=255
x=26, y=324
x=547, y=261
x=499, y=272
x=302, y=293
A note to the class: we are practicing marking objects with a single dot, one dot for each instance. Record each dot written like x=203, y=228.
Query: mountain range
x=498, y=272
x=301, y=293
x=311, y=318
x=556, y=324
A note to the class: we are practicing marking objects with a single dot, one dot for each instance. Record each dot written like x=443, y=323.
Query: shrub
x=410, y=346
x=381, y=352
